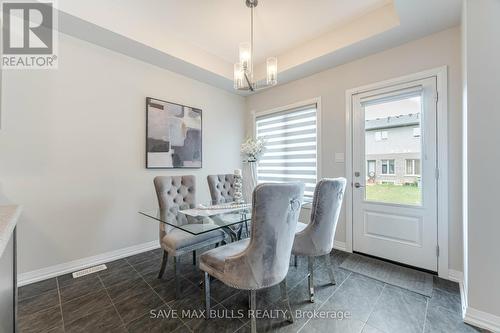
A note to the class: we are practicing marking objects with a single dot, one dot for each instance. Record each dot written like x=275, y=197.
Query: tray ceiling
x=200, y=38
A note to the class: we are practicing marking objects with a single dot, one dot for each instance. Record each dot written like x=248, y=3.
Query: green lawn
x=409, y=195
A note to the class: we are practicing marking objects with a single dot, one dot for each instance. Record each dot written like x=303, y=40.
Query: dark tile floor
x=128, y=297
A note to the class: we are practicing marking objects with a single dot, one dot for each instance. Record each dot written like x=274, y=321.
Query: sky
x=393, y=108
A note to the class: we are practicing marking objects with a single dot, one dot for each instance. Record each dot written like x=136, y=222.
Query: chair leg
x=286, y=300
x=310, y=263
x=194, y=258
x=177, y=278
x=295, y=260
x=207, y=295
x=164, y=261
x=330, y=269
x=253, y=322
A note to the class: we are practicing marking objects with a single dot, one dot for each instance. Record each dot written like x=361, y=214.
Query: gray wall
x=73, y=142
x=482, y=118
x=399, y=146
x=436, y=50
x=399, y=140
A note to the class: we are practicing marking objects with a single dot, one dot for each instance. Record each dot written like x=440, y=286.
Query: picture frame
x=174, y=135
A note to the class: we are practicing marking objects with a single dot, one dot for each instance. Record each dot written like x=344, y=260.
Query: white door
x=394, y=173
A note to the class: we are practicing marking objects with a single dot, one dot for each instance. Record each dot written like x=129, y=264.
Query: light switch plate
x=339, y=158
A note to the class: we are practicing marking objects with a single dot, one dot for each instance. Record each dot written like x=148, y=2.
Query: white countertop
x=9, y=215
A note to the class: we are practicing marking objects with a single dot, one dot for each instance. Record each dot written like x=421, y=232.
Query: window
x=413, y=167
x=416, y=132
x=388, y=167
x=383, y=135
x=291, y=143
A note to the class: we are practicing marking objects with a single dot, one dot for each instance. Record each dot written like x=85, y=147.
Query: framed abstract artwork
x=173, y=135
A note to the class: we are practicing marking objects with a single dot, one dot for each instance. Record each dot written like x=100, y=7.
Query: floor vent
x=89, y=270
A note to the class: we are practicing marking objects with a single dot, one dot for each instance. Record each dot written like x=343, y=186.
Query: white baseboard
x=455, y=276
x=470, y=315
x=337, y=245
x=482, y=319
x=75, y=265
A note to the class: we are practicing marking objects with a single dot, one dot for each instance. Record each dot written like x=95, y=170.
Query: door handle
x=358, y=185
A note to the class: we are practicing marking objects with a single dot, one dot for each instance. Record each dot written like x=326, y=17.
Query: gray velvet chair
x=221, y=188
x=262, y=260
x=222, y=191
x=174, y=193
x=316, y=238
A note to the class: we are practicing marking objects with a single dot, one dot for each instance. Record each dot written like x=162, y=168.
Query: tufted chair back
x=317, y=238
x=174, y=192
x=221, y=188
x=265, y=261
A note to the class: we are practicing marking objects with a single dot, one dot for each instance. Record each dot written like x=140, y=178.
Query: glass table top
x=202, y=218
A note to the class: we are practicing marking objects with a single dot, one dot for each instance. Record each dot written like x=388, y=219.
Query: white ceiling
x=218, y=26
x=200, y=38
x=279, y=25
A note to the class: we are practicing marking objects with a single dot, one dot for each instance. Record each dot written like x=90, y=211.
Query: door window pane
x=393, y=139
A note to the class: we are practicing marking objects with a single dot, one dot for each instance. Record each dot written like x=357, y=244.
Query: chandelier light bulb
x=238, y=76
x=246, y=56
x=243, y=71
x=272, y=71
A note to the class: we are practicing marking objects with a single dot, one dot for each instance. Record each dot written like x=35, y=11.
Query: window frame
x=413, y=160
x=388, y=166
x=381, y=135
x=315, y=100
x=441, y=75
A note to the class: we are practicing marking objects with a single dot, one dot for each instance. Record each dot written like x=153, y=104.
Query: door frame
x=441, y=74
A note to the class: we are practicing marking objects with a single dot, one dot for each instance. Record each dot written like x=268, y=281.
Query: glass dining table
x=231, y=218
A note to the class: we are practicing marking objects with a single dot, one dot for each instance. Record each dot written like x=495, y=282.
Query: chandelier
x=243, y=70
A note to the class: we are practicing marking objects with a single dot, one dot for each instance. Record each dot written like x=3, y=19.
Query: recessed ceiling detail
x=200, y=38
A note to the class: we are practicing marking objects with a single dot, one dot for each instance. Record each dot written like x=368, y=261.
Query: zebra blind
x=291, y=143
